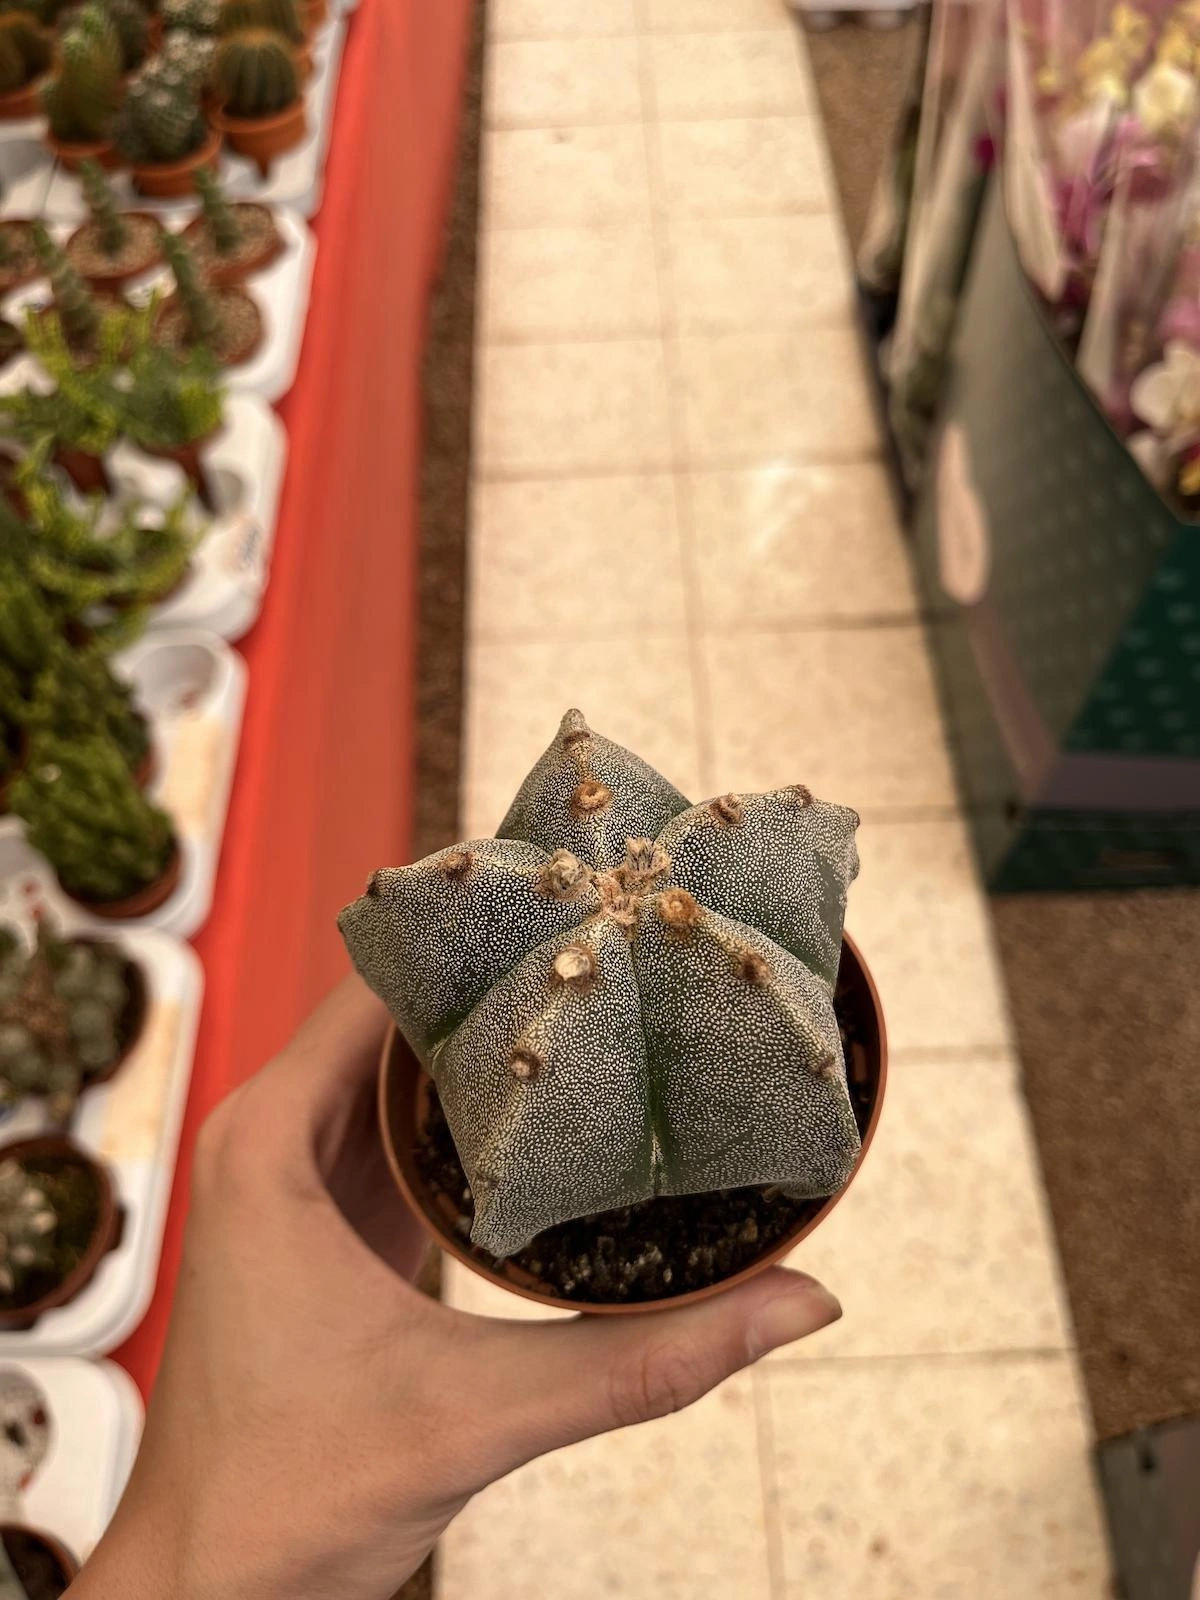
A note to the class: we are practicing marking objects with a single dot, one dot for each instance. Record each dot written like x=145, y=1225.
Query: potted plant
x=230, y=239
x=81, y=99
x=71, y=1011
x=174, y=408
x=112, y=246
x=256, y=83
x=280, y=16
x=77, y=693
x=652, y=1061
x=80, y=416
x=162, y=131
x=225, y=321
x=58, y=1219
x=112, y=849
x=132, y=22
x=18, y=259
x=72, y=302
x=33, y=1565
x=25, y=52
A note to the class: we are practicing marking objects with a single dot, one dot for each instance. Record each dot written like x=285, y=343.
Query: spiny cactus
x=111, y=227
x=27, y=1227
x=219, y=215
x=76, y=693
x=85, y=813
x=81, y=99
x=199, y=305
x=161, y=120
x=623, y=995
x=24, y=51
x=133, y=30
x=191, y=16
x=76, y=306
x=254, y=74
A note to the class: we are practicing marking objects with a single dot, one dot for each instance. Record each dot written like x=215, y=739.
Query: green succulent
x=77, y=693
x=254, y=73
x=28, y=1224
x=172, y=400
x=73, y=301
x=623, y=995
x=83, y=810
x=24, y=50
x=81, y=99
x=161, y=120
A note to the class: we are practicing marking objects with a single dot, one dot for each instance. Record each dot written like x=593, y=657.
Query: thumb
x=554, y=1383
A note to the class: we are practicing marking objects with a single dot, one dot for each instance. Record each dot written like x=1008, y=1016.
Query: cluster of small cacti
x=254, y=74
x=81, y=99
x=25, y=50
x=28, y=1224
x=74, y=302
x=161, y=120
x=623, y=995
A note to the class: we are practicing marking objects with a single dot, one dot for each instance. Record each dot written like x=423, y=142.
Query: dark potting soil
x=35, y=1564
x=659, y=1248
x=257, y=240
x=75, y=1196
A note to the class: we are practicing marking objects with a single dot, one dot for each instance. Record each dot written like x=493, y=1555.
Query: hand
x=317, y=1422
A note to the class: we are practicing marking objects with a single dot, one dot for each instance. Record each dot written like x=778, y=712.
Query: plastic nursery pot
x=171, y=180
x=43, y=1564
x=106, y=277
x=263, y=139
x=405, y=1097
x=73, y=153
x=136, y=905
x=50, y=1151
x=20, y=103
x=87, y=472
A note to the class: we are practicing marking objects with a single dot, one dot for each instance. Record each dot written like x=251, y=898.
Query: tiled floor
x=681, y=525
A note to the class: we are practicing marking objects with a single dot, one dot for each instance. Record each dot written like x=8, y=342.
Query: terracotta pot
x=405, y=1092
x=304, y=60
x=190, y=458
x=54, y=1548
x=87, y=472
x=21, y=103
x=315, y=14
x=263, y=139
x=171, y=180
x=73, y=154
x=228, y=274
x=133, y=1019
x=105, y=1236
x=113, y=282
x=136, y=905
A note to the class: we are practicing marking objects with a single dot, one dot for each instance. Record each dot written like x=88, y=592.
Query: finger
x=554, y=1383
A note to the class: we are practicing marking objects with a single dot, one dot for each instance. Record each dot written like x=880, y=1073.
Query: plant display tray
x=131, y=1123
x=69, y=1431
x=26, y=168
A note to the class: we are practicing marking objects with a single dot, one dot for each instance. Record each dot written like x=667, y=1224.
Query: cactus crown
x=74, y=302
x=83, y=810
x=101, y=202
x=24, y=50
x=623, y=995
x=199, y=305
x=27, y=1227
x=161, y=120
x=132, y=24
x=81, y=99
x=254, y=73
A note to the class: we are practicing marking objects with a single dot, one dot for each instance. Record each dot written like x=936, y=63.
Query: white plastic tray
x=79, y=1423
x=131, y=1123
x=26, y=168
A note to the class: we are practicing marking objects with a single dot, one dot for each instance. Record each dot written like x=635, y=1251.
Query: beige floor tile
x=671, y=1510
x=942, y=1243
x=747, y=272
x=851, y=712
x=565, y=177
x=920, y=918
x=727, y=75
x=590, y=558
x=762, y=398
x=542, y=283
x=559, y=19
x=558, y=83
x=738, y=167
x=719, y=16
x=779, y=545
x=467, y=1291
x=962, y=1479
x=571, y=408
x=638, y=693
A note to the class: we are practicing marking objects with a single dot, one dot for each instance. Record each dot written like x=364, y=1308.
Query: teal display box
x=1064, y=603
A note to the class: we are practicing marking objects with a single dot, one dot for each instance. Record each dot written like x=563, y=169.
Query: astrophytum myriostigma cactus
x=623, y=995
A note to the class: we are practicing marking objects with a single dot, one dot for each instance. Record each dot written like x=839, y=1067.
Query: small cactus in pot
x=162, y=130
x=77, y=693
x=25, y=52
x=624, y=996
x=112, y=246
x=257, y=85
x=58, y=1219
x=81, y=99
x=230, y=239
x=225, y=321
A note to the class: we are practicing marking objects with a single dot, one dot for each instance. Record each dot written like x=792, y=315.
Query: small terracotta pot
x=171, y=180
x=136, y=905
x=54, y=1548
x=263, y=139
x=74, y=153
x=190, y=457
x=133, y=1018
x=105, y=1236
x=87, y=472
x=405, y=1092
x=113, y=282
x=18, y=104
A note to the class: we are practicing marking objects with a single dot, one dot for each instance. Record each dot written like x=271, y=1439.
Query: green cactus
x=173, y=399
x=622, y=995
x=81, y=99
x=85, y=813
x=83, y=411
x=24, y=50
x=133, y=30
x=191, y=16
x=219, y=216
x=28, y=1225
x=74, y=302
x=189, y=54
x=111, y=227
x=30, y=625
x=76, y=693
x=161, y=120
x=254, y=74
x=200, y=310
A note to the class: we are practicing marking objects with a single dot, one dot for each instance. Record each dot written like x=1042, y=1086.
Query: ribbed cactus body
x=24, y=50
x=199, y=305
x=132, y=24
x=254, y=74
x=81, y=99
x=27, y=1227
x=624, y=995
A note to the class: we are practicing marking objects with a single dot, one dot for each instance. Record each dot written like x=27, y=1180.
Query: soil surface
x=23, y=262
x=75, y=1196
x=140, y=251
x=240, y=330
x=35, y=1565
x=669, y=1246
x=258, y=240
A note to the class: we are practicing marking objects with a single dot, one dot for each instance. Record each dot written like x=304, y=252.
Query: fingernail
x=791, y=1316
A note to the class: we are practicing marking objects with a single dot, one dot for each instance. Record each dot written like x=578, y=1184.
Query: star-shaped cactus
x=623, y=995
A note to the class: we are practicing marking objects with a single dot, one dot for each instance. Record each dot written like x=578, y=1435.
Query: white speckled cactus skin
x=623, y=995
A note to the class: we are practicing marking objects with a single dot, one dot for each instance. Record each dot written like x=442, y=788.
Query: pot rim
x=66, y=1561
x=163, y=171
x=144, y=901
x=407, y=1181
